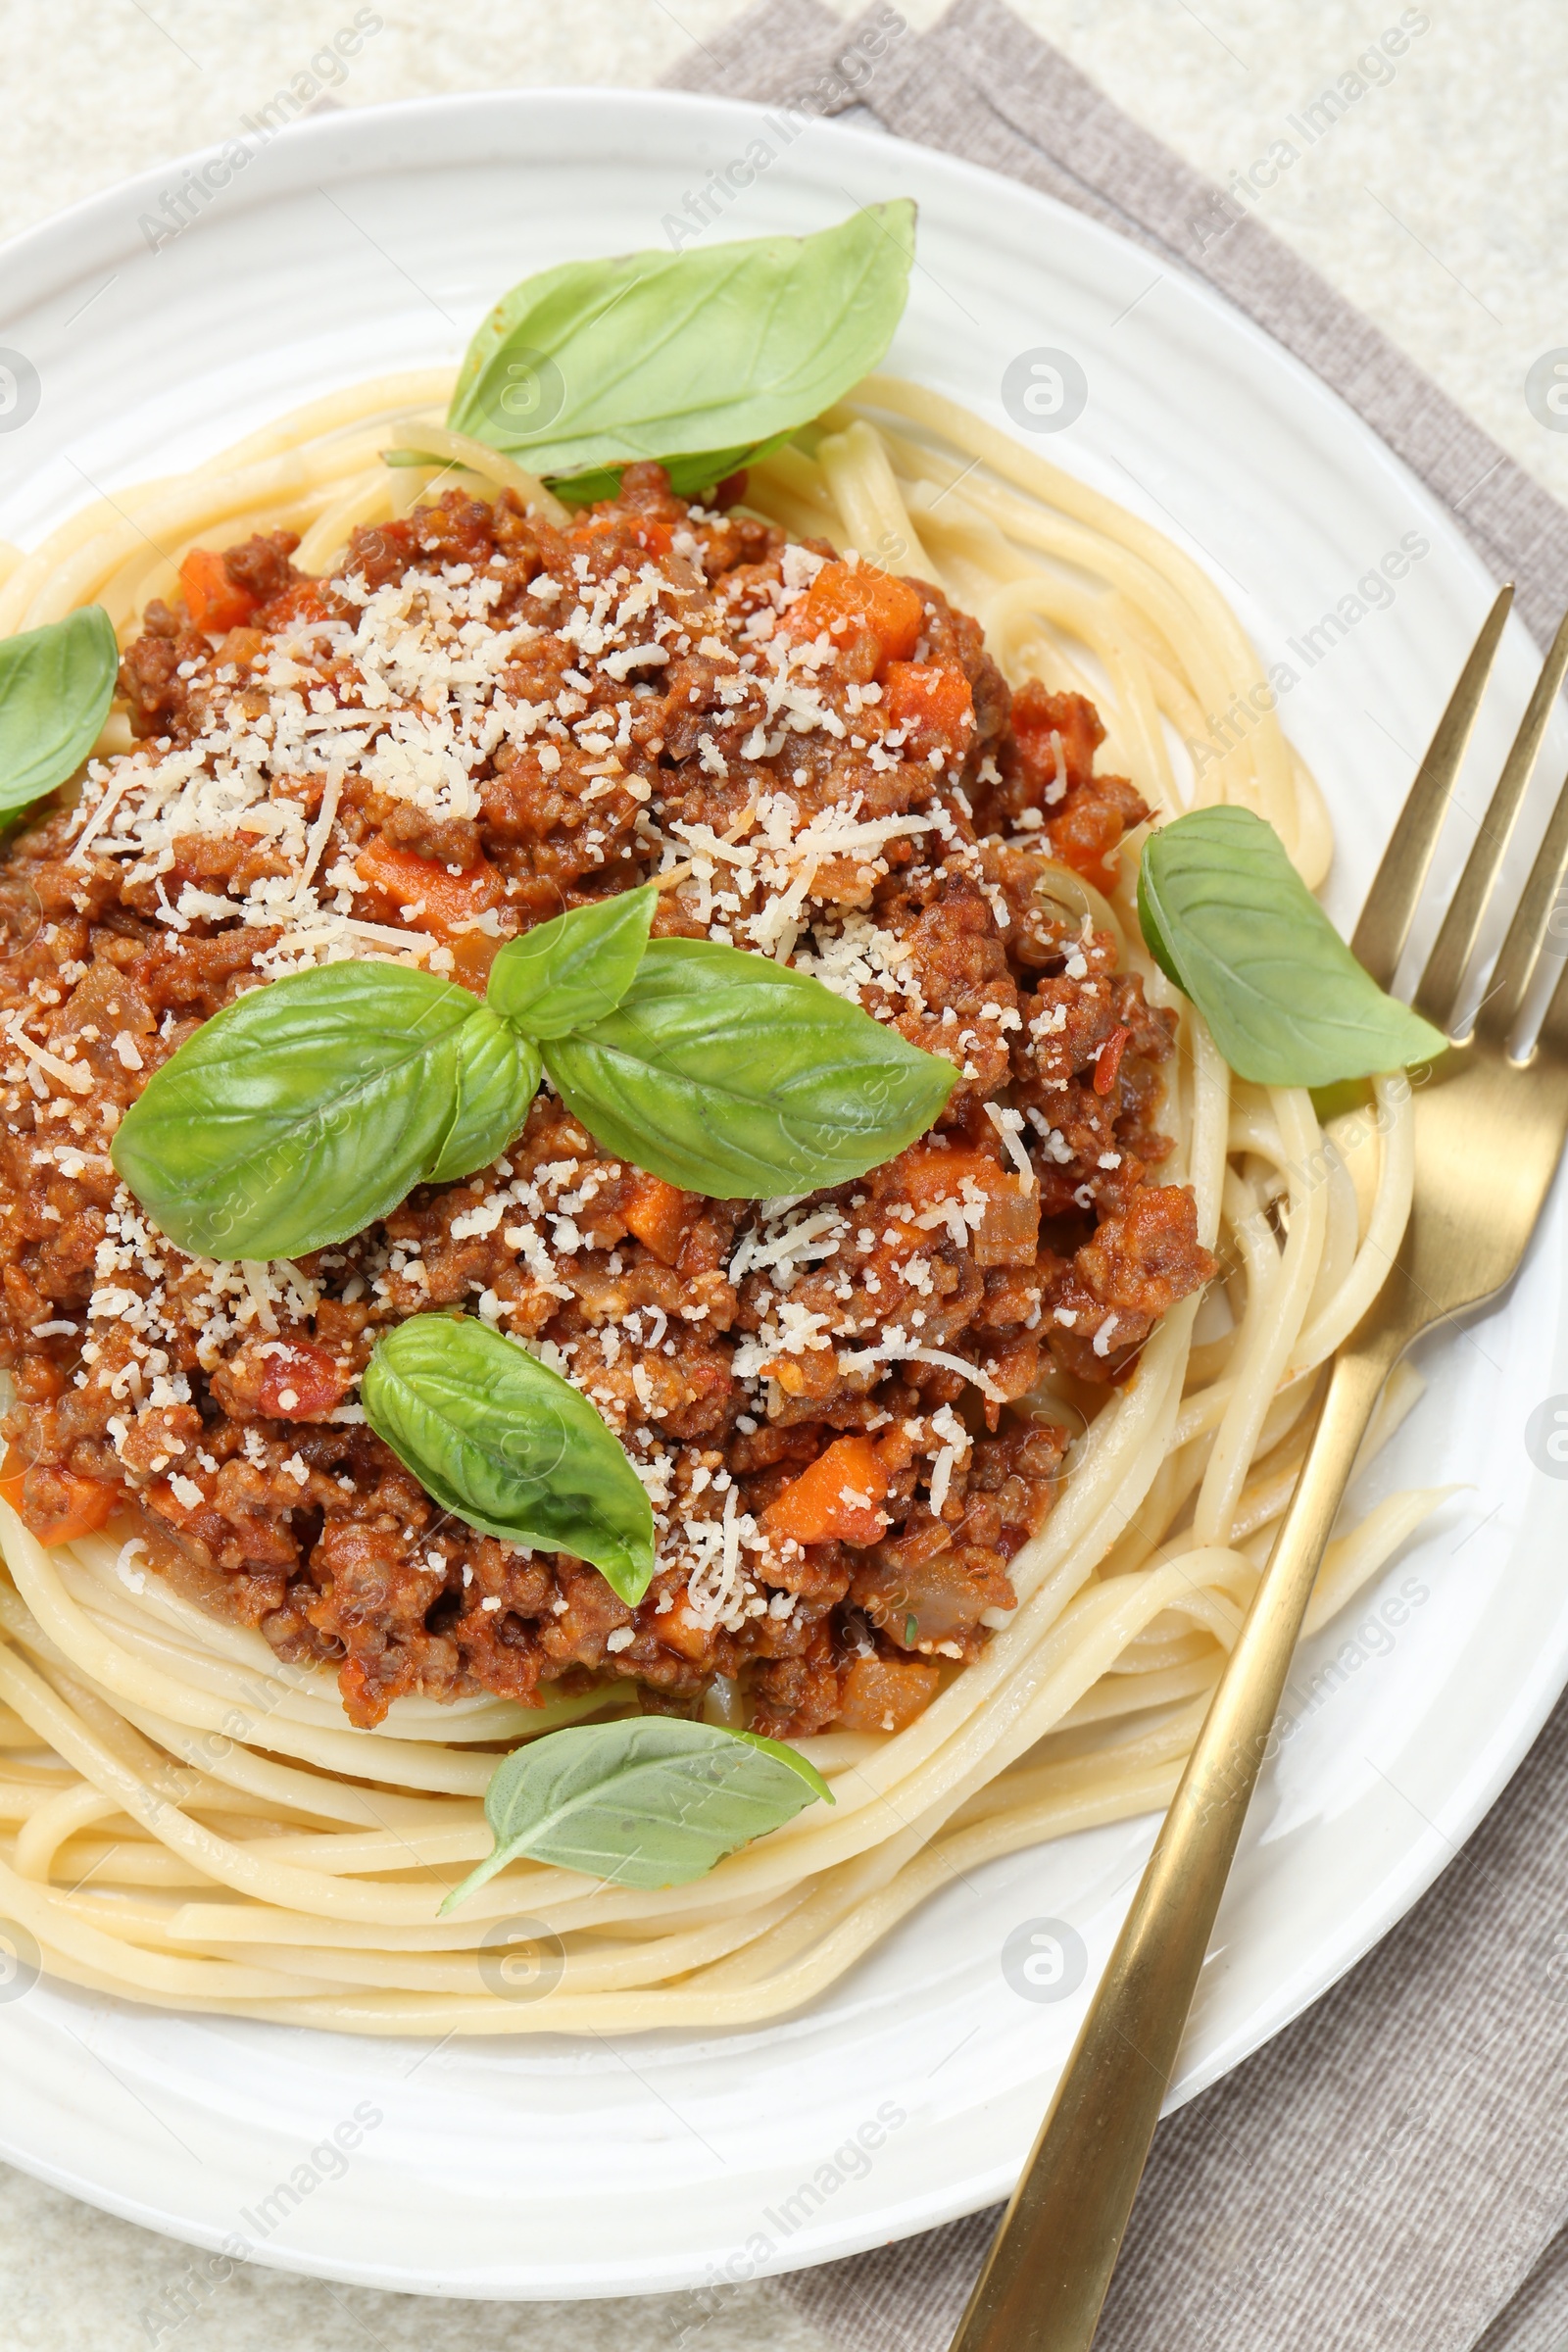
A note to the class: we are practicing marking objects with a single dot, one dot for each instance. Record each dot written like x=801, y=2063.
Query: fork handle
x=1051, y=2262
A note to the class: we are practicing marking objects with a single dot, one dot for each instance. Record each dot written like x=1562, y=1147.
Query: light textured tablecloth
x=1438, y=206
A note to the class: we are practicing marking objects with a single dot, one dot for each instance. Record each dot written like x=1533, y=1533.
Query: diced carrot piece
x=646, y=529
x=835, y=1499
x=89, y=1506
x=885, y=1695
x=938, y=1173
x=658, y=1213
x=87, y=1503
x=301, y=1382
x=678, y=1630
x=215, y=601
x=13, y=1478
x=446, y=901
x=242, y=647
x=161, y=1497
x=933, y=701
x=865, y=599
x=1008, y=1234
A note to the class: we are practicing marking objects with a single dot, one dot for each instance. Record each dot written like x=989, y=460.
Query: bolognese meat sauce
x=477, y=722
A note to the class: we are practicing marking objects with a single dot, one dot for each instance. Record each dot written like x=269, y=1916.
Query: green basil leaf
x=497, y=1078
x=56, y=686
x=571, y=971
x=1154, y=939
x=1228, y=918
x=300, y=1114
x=507, y=1444
x=731, y=1075
x=650, y=1802
x=704, y=354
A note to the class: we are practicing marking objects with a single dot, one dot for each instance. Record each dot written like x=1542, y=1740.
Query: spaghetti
x=186, y=1819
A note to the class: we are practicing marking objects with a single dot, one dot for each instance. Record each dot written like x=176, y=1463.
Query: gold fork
x=1488, y=1134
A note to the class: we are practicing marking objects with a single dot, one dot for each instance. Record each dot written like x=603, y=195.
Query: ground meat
x=262, y=567
x=831, y=1400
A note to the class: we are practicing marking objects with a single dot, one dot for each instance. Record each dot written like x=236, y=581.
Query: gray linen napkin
x=1391, y=2173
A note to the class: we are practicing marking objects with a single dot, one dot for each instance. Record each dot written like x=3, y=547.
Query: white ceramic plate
x=370, y=241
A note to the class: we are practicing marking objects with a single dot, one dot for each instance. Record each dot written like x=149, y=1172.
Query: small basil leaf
x=650, y=1802
x=507, y=1444
x=497, y=1078
x=300, y=1114
x=1229, y=919
x=731, y=1075
x=702, y=355
x=56, y=686
x=571, y=971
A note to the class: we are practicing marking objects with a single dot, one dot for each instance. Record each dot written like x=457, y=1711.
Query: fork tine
x=1521, y=949
x=1553, y=1040
x=1438, y=989
x=1390, y=903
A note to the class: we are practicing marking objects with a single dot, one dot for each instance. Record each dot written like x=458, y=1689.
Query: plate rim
x=107, y=218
